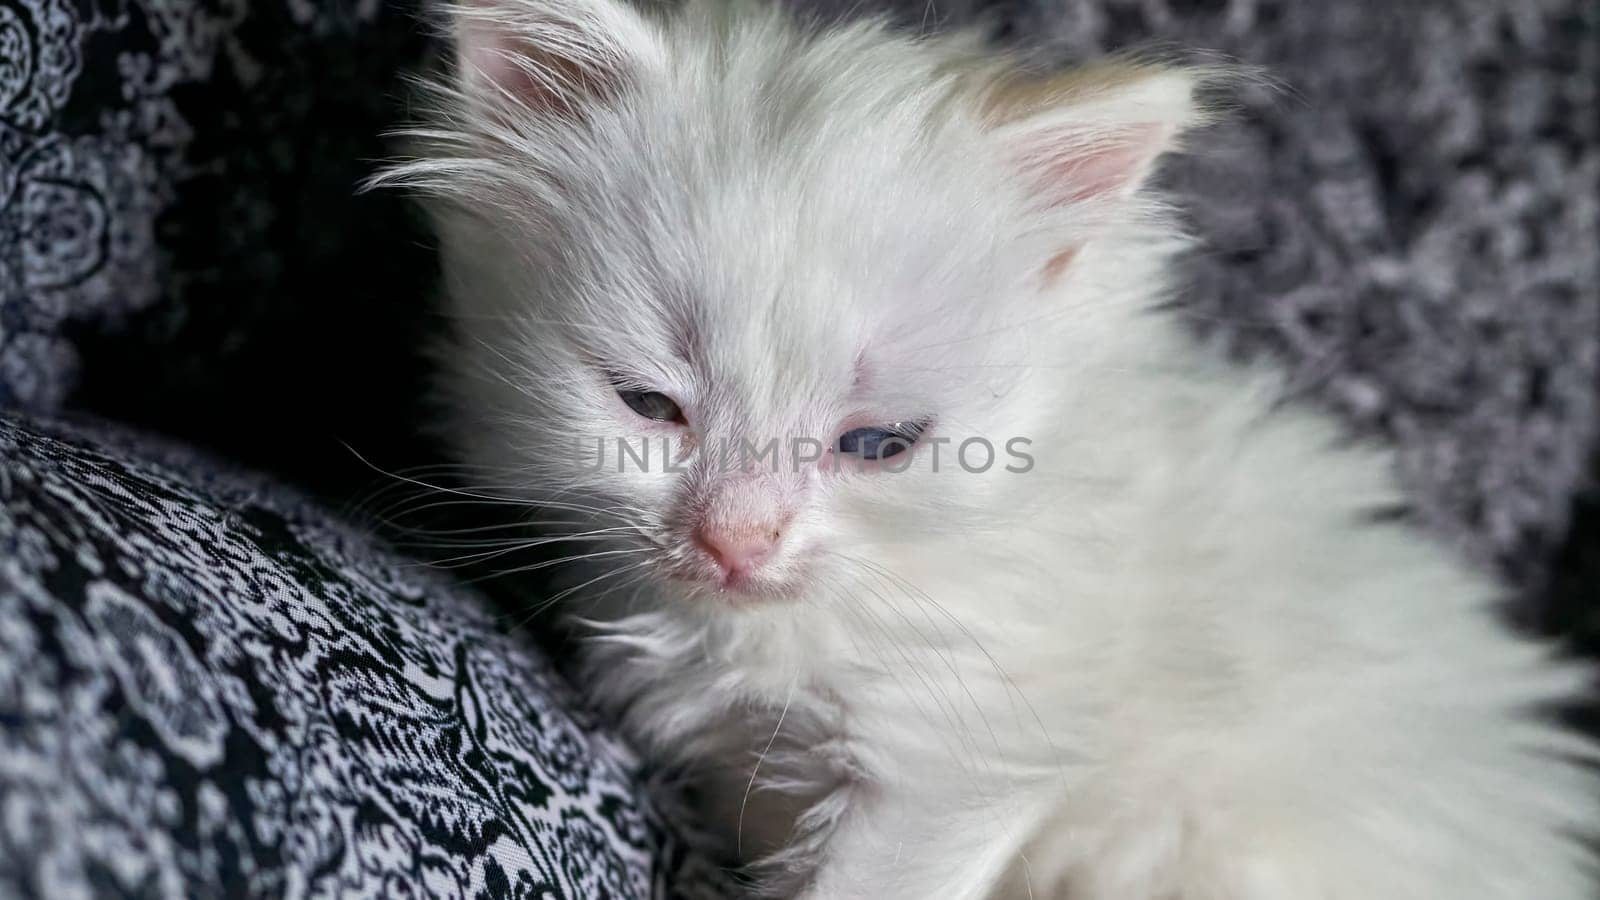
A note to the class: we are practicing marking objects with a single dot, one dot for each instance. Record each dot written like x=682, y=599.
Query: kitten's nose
x=738, y=549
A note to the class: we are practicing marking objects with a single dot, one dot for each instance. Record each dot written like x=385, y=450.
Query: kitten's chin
x=744, y=593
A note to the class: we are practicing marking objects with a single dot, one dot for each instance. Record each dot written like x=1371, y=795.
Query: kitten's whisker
x=623, y=585
x=524, y=540
x=423, y=484
x=580, y=557
x=873, y=629
x=448, y=504
x=921, y=599
x=1012, y=689
x=738, y=833
x=945, y=655
x=446, y=534
x=941, y=696
x=550, y=602
x=504, y=548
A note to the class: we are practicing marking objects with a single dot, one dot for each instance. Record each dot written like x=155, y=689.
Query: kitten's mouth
x=705, y=583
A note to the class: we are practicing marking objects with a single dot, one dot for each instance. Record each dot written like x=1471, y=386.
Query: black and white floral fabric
x=210, y=688
x=179, y=219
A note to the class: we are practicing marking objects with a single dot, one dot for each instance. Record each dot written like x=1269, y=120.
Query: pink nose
x=737, y=550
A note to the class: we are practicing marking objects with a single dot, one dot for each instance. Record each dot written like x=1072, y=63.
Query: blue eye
x=879, y=441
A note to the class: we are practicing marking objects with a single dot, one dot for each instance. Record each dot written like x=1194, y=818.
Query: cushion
x=209, y=686
x=180, y=233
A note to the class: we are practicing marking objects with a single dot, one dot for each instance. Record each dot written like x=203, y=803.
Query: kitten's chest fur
x=787, y=723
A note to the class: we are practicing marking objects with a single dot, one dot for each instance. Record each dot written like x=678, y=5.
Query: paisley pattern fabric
x=81, y=189
x=179, y=215
x=208, y=687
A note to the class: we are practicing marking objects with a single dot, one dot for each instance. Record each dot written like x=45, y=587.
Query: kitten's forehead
x=812, y=243
x=777, y=283
x=770, y=349
x=789, y=222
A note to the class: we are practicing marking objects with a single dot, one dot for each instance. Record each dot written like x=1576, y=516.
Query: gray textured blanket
x=1411, y=222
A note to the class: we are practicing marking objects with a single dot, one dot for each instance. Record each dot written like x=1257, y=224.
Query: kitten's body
x=1181, y=657
x=1220, y=678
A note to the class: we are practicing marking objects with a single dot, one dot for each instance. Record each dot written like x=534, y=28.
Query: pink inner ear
x=535, y=78
x=487, y=54
x=1111, y=164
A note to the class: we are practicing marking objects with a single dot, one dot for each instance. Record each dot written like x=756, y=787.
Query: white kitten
x=1174, y=657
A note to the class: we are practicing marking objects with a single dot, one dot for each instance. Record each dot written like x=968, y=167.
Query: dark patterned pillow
x=209, y=687
x=180, y=236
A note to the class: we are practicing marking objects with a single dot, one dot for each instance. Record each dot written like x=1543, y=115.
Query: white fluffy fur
x=1178, y=660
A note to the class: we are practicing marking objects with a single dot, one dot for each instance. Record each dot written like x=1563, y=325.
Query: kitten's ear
x=547, y=56
x=1093, y=134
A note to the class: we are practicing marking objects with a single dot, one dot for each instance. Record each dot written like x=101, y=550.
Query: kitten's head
x=834, y=272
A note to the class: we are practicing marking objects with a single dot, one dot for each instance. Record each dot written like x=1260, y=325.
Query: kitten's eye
x=879, y=441
x=652, y=405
